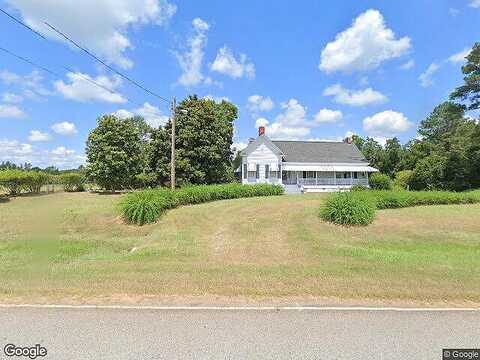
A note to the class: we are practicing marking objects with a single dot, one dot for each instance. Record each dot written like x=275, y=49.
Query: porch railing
x=332, y=181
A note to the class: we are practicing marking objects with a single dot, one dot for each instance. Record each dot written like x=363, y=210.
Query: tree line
x=446, y=154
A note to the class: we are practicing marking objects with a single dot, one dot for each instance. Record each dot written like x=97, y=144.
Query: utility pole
x=172, y=164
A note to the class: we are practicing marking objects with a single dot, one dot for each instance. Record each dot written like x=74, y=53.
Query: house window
x=279, y=171
x=251, y=174
x=273, y=174
x=245, y=171
x=257, y=173
x=267, y=170
x=355, y=175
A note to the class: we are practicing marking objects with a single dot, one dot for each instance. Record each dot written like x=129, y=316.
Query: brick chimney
x=261, y=131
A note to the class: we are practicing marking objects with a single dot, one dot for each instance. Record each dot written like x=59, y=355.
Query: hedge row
x=15, y=181
x=147, y=206
x=358, y=208
x=401, y=199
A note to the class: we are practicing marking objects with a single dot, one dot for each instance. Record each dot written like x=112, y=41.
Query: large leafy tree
x=470, y=90
x=114, y=152
x=204, y=132
x=373, y=152
x=391, y=157
x=441, y=122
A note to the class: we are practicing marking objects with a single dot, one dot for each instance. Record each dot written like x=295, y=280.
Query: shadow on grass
x=4, y=199
x=107, y=192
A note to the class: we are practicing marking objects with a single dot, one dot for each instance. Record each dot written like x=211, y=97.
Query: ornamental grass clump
x=348, y=209
x=147, y=206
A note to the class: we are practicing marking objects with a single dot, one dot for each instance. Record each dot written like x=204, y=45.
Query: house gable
x=261, y=140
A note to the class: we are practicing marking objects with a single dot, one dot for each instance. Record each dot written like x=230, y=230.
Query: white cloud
x=238, y=146
x=408, y=65
x=364, y=97
x=38, y=136
x=460, y=56
x=386, y=123
x=11, y=111
x=382, y=140
x=152, y=114
x=290, y=124
x=191, y=60
x=425, y=78
x=225, y=63
x=14, y=151
x=100, y=25
x=281, y=131
x=328, y=116
x=61, y=157
x=11, y=98
x=294, y=113
x=453, y=11
x=31, y=84
x=261, y=122
x=259, y=103
x=363, y=46
x=217, y=99
x=475, y=3
x=79, y=88
x=64, y=128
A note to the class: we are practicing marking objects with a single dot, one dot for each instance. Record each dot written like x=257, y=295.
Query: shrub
x=380, y=181
x=13, y=181
x=403, y=178
x=72, y=181
x=358, y=188
x=343, y=209
x=147, y=206
x=348, y=209
x=401, y=199
x=34, y=180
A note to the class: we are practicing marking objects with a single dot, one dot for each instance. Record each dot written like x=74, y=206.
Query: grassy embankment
x=251, y=249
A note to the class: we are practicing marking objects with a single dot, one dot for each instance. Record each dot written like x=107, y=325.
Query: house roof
x=259, y=141
x=320, y=152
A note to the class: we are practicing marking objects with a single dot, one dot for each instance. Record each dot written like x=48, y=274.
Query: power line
x=132, y=81
x=105, y=64
x=23, y=24
x=86, y=78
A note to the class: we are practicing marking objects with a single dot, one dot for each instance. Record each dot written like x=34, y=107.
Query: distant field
x=73, y=247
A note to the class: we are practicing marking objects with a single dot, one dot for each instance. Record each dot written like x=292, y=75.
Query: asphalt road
x=237, y=334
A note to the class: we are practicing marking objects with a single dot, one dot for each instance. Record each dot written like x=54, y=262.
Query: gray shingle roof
x=320, y=152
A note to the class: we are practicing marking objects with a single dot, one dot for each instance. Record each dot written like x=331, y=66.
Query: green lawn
x=74, y=247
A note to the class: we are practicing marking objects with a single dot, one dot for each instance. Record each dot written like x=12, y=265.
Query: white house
x=304, y=166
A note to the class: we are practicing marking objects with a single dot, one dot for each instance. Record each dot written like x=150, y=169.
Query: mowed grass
x=74, y=247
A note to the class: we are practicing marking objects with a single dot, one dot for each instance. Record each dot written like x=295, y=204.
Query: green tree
x=358, y=141
x=391, y=157
x=429, y=173
x=204, y=132
x=470, y=90
x=114, y=153
x=442, y=121
x=373, y=152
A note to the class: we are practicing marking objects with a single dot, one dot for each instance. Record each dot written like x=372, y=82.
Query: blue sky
x=314, y=70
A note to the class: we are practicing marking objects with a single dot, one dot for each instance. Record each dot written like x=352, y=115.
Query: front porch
x=323, y=181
